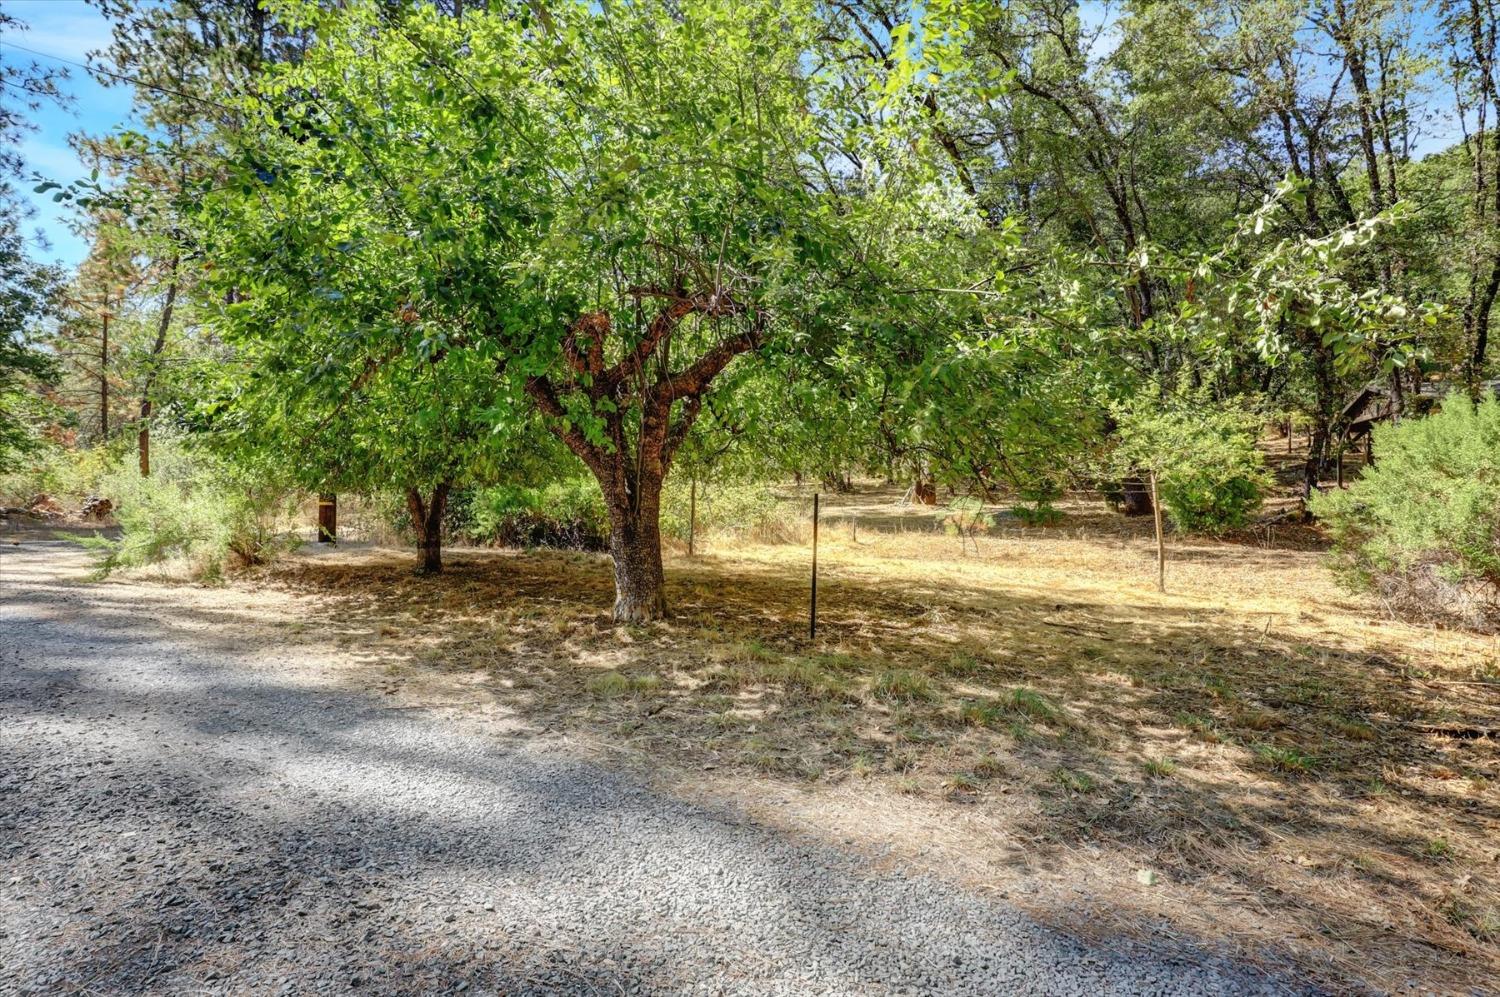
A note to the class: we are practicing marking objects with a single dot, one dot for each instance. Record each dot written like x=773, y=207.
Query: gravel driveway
x=177, y=818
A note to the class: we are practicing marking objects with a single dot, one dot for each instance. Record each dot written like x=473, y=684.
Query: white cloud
x=68, y=29
x=58, y=162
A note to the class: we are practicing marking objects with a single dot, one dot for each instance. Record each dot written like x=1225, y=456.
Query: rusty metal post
x=1161, y=546
x=812, y=619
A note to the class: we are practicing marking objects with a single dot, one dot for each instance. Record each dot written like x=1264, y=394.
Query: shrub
x=967, y=518
x=1041, y=514
x=1039, y=510
x=744, y=511
x=568, y=513
x=69, y=476
x=1210, y=474
x=1422, y=527
x=196, y=508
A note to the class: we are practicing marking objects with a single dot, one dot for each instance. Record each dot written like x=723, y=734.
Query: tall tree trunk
x=164, y=321
x=1317, y=451
x=328, y=517
x=104, y=374
x=427, y=523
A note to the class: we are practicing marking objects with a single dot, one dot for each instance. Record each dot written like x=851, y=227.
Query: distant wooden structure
x=1373, y=404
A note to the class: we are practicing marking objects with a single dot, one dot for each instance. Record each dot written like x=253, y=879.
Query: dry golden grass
x=1034, y=716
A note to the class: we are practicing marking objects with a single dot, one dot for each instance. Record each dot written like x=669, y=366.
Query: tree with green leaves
x=607, y=205
x=28, y=289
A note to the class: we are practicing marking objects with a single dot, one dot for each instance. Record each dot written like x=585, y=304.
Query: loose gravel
x=174, y=818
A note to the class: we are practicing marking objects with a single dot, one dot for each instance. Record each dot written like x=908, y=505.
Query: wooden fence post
x=328, y=518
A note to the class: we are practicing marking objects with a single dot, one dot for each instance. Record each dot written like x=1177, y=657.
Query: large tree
x=608, y=203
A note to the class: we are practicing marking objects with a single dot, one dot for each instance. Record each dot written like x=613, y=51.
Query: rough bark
x=427, y=523
x=635, y=546
x=648, y=409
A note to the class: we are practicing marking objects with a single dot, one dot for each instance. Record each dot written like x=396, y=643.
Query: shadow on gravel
x=176, y=821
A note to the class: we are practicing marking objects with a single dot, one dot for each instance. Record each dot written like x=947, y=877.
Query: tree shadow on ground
x=214, y=825
x=1266, y=768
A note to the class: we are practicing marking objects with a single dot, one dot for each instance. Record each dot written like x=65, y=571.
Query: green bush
x=743, y=511
x=1422, y=527
x=1041, y=514
x=194, y=508
x=568, y=513
x=1210, y=473
x=69, y=476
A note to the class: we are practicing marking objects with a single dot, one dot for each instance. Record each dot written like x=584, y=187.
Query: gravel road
x=177, y=818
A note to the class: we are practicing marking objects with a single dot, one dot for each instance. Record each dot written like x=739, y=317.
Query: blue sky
x=68, y=29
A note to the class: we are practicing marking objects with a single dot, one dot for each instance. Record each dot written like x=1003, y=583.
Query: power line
x=133, y=80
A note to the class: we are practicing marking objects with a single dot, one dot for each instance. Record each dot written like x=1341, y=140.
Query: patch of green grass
x=805, y=677
x=961, y=782
x=901, y=685
x=1286, y=760
x=1159, y=768
x=724, y=721
x=1355, y=730
x=990, y=767
x=981, y=714
x=1021, y=704
x=962, y=664
x=1031, y=703
x=731, y=678
x=1437, y=849
x=1204, y=727
x=1483, y=924
x=912, y=731
x=1217, y=688
x=754, y=650
x=1073, y=780
x=612, y=685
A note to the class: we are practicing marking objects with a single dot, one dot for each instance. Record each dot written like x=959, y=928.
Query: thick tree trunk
x=427, y=523
x=1136, y=497
x=643, y=389
x=635, y=545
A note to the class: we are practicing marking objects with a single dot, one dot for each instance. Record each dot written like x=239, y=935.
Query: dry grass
x=1265, y=743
